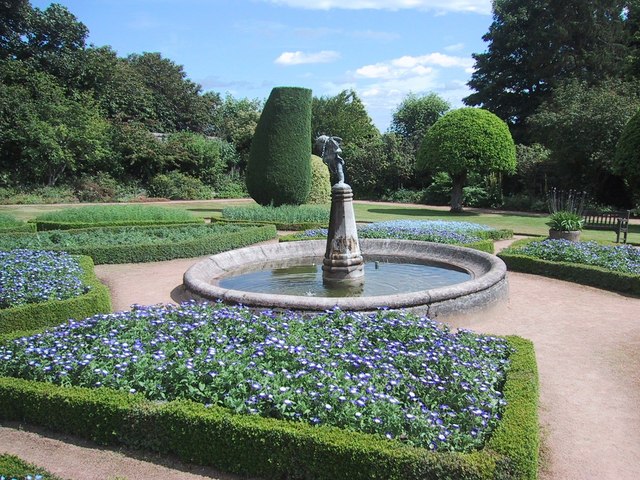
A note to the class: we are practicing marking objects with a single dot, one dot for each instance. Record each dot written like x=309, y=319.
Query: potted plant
x=565, y=225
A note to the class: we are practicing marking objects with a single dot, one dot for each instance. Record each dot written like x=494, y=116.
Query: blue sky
x=382, y=49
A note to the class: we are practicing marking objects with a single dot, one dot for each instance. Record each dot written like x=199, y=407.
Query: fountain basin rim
x=487, y=285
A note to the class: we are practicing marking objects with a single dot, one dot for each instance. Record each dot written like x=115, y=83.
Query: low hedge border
x=26, y=227
x=141, y=253
x=54, y=312
x=43, y=225
x=269, y=448
x=12, y=467
x=482, y=245
x=589, y=275
x=280, y=226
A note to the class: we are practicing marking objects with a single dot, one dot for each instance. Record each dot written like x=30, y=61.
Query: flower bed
x=46, y=288
x=468, y=234
x=390, y=374
x=143, y=244
x=284, y=217
x=32, y=276
x=615, y=268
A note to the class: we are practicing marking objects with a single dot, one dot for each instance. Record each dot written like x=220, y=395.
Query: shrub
x=626, y=161
x=37, y=315
x=12, y=224
x=143, y=243
x=113, y=215
x=101, y=187
x=564, y=221
x=231, y=185
x=320, y=191
x=283, y=215
x=13, y=468
x=179, y=186
x=466, y=141
x=278, y=170
x=30, y=196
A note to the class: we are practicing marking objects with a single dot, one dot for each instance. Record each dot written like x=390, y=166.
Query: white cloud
x=455, y=47
x=299, y=58
x=410, y=66
x=473, y=6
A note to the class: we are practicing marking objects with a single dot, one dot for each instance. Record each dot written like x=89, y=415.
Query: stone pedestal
x=343, y=262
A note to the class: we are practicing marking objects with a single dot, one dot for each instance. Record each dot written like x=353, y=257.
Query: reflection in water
x=381, y=278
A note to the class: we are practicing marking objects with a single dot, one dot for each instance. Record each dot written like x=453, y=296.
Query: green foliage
x=465, y=141
x=179, y=186
x=235, y=121
x=344, y=116
x=176, y=100
x=256, y=446
x=320, y=191
x=137, y=244
x=279, y=171
x=532, y=169
x=415, y=115
x=565, y=221
x=534, y=45
x=38, y=195
x=12, y=224
x=12, y=467
x=113, y=215
x=590, y=275
x=627, y=155
x=283, y=215
x=580, y=124
x=137, y=153
x=46, y=135
x=199, y=156
x=37, y=315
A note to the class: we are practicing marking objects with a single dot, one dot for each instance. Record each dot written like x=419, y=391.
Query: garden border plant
x=37, y=315
x=589, y=275
x=139, y=253
x=112, y=216
x=253, y=445
x=14, y=468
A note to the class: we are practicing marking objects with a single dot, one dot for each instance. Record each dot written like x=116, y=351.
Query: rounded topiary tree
x=320, y=191
x=464, y=141
x=626, y=161
x=278, y=170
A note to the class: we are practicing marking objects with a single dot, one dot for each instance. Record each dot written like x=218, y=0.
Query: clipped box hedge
x=140, y=253
x=270, y=448
x=54, y=312
x=279, y=225
x=589, y=275
x=44, y=225
x=25, y=227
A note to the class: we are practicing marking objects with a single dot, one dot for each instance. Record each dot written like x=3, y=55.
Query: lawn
x=520, y=223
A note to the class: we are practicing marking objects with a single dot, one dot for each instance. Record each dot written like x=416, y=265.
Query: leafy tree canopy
x=533, y=45
x=465, y=141
x=415, y=114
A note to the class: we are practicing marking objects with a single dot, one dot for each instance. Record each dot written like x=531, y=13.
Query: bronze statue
x=328, y=148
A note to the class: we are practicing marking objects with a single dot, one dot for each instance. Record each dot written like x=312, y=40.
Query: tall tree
x=535, y=44
x=343, y=115
x=177, y=101
x=464, y=142
x=581, y=125
x=415, y=114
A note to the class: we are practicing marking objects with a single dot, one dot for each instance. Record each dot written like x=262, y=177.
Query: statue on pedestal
x=328, y=148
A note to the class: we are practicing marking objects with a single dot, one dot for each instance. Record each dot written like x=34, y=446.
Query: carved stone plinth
x=343, y=262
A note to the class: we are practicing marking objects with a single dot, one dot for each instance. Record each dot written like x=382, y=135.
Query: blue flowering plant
x=32, y=276
x=618, y=258
x=389, y=373
x=427, y=230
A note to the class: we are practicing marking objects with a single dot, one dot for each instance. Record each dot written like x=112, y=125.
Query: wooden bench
x=615, y=221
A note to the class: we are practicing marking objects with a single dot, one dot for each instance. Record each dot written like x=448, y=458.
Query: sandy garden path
x=588, y=350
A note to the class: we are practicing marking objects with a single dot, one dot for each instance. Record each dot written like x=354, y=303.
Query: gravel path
x=588, y=350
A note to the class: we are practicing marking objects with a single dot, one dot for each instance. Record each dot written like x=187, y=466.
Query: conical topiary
x=278, y=170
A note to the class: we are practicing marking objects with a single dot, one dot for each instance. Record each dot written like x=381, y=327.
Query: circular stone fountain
x=487, y=283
